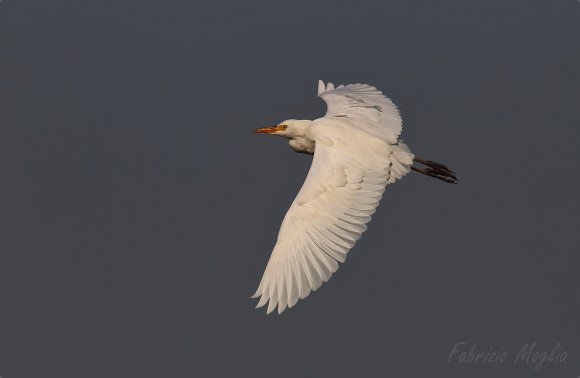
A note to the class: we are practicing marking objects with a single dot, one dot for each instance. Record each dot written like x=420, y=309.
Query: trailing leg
x=436, y=170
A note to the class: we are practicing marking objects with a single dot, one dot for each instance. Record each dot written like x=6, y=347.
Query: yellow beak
x=269, y=129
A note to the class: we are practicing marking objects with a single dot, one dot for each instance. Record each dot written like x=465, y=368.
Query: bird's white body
x=356, y=154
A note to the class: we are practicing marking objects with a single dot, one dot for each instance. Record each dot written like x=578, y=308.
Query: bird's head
x=291, y=128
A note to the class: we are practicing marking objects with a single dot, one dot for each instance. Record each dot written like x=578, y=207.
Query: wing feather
x=370, y=110
x=342, y=190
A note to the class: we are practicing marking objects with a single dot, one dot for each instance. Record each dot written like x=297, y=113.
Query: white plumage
x=356, y=154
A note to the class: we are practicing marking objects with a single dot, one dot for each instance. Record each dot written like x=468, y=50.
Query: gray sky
x=138, y=212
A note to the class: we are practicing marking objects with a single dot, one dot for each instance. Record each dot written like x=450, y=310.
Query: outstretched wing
x=366, y=106
x=342, y=190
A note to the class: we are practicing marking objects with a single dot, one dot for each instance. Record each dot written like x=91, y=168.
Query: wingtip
x=321, y=87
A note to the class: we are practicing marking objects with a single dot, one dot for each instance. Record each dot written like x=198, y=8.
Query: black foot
x=436, y=170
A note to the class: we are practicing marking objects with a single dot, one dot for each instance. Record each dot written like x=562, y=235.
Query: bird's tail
x=436, y=170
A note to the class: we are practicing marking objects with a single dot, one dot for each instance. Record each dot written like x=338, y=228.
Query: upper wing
x=366, y=106
x=342, y=190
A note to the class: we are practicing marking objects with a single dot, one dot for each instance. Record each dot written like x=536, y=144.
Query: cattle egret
x=357, y=153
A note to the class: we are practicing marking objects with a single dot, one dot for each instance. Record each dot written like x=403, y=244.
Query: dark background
x=137, y=212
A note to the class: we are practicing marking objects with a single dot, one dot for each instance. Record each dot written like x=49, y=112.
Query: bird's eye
x=283, y=127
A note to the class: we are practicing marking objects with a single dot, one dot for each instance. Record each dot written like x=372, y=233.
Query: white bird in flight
x=357, y=153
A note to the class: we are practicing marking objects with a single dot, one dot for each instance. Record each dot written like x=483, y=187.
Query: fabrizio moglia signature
x=528, y=354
